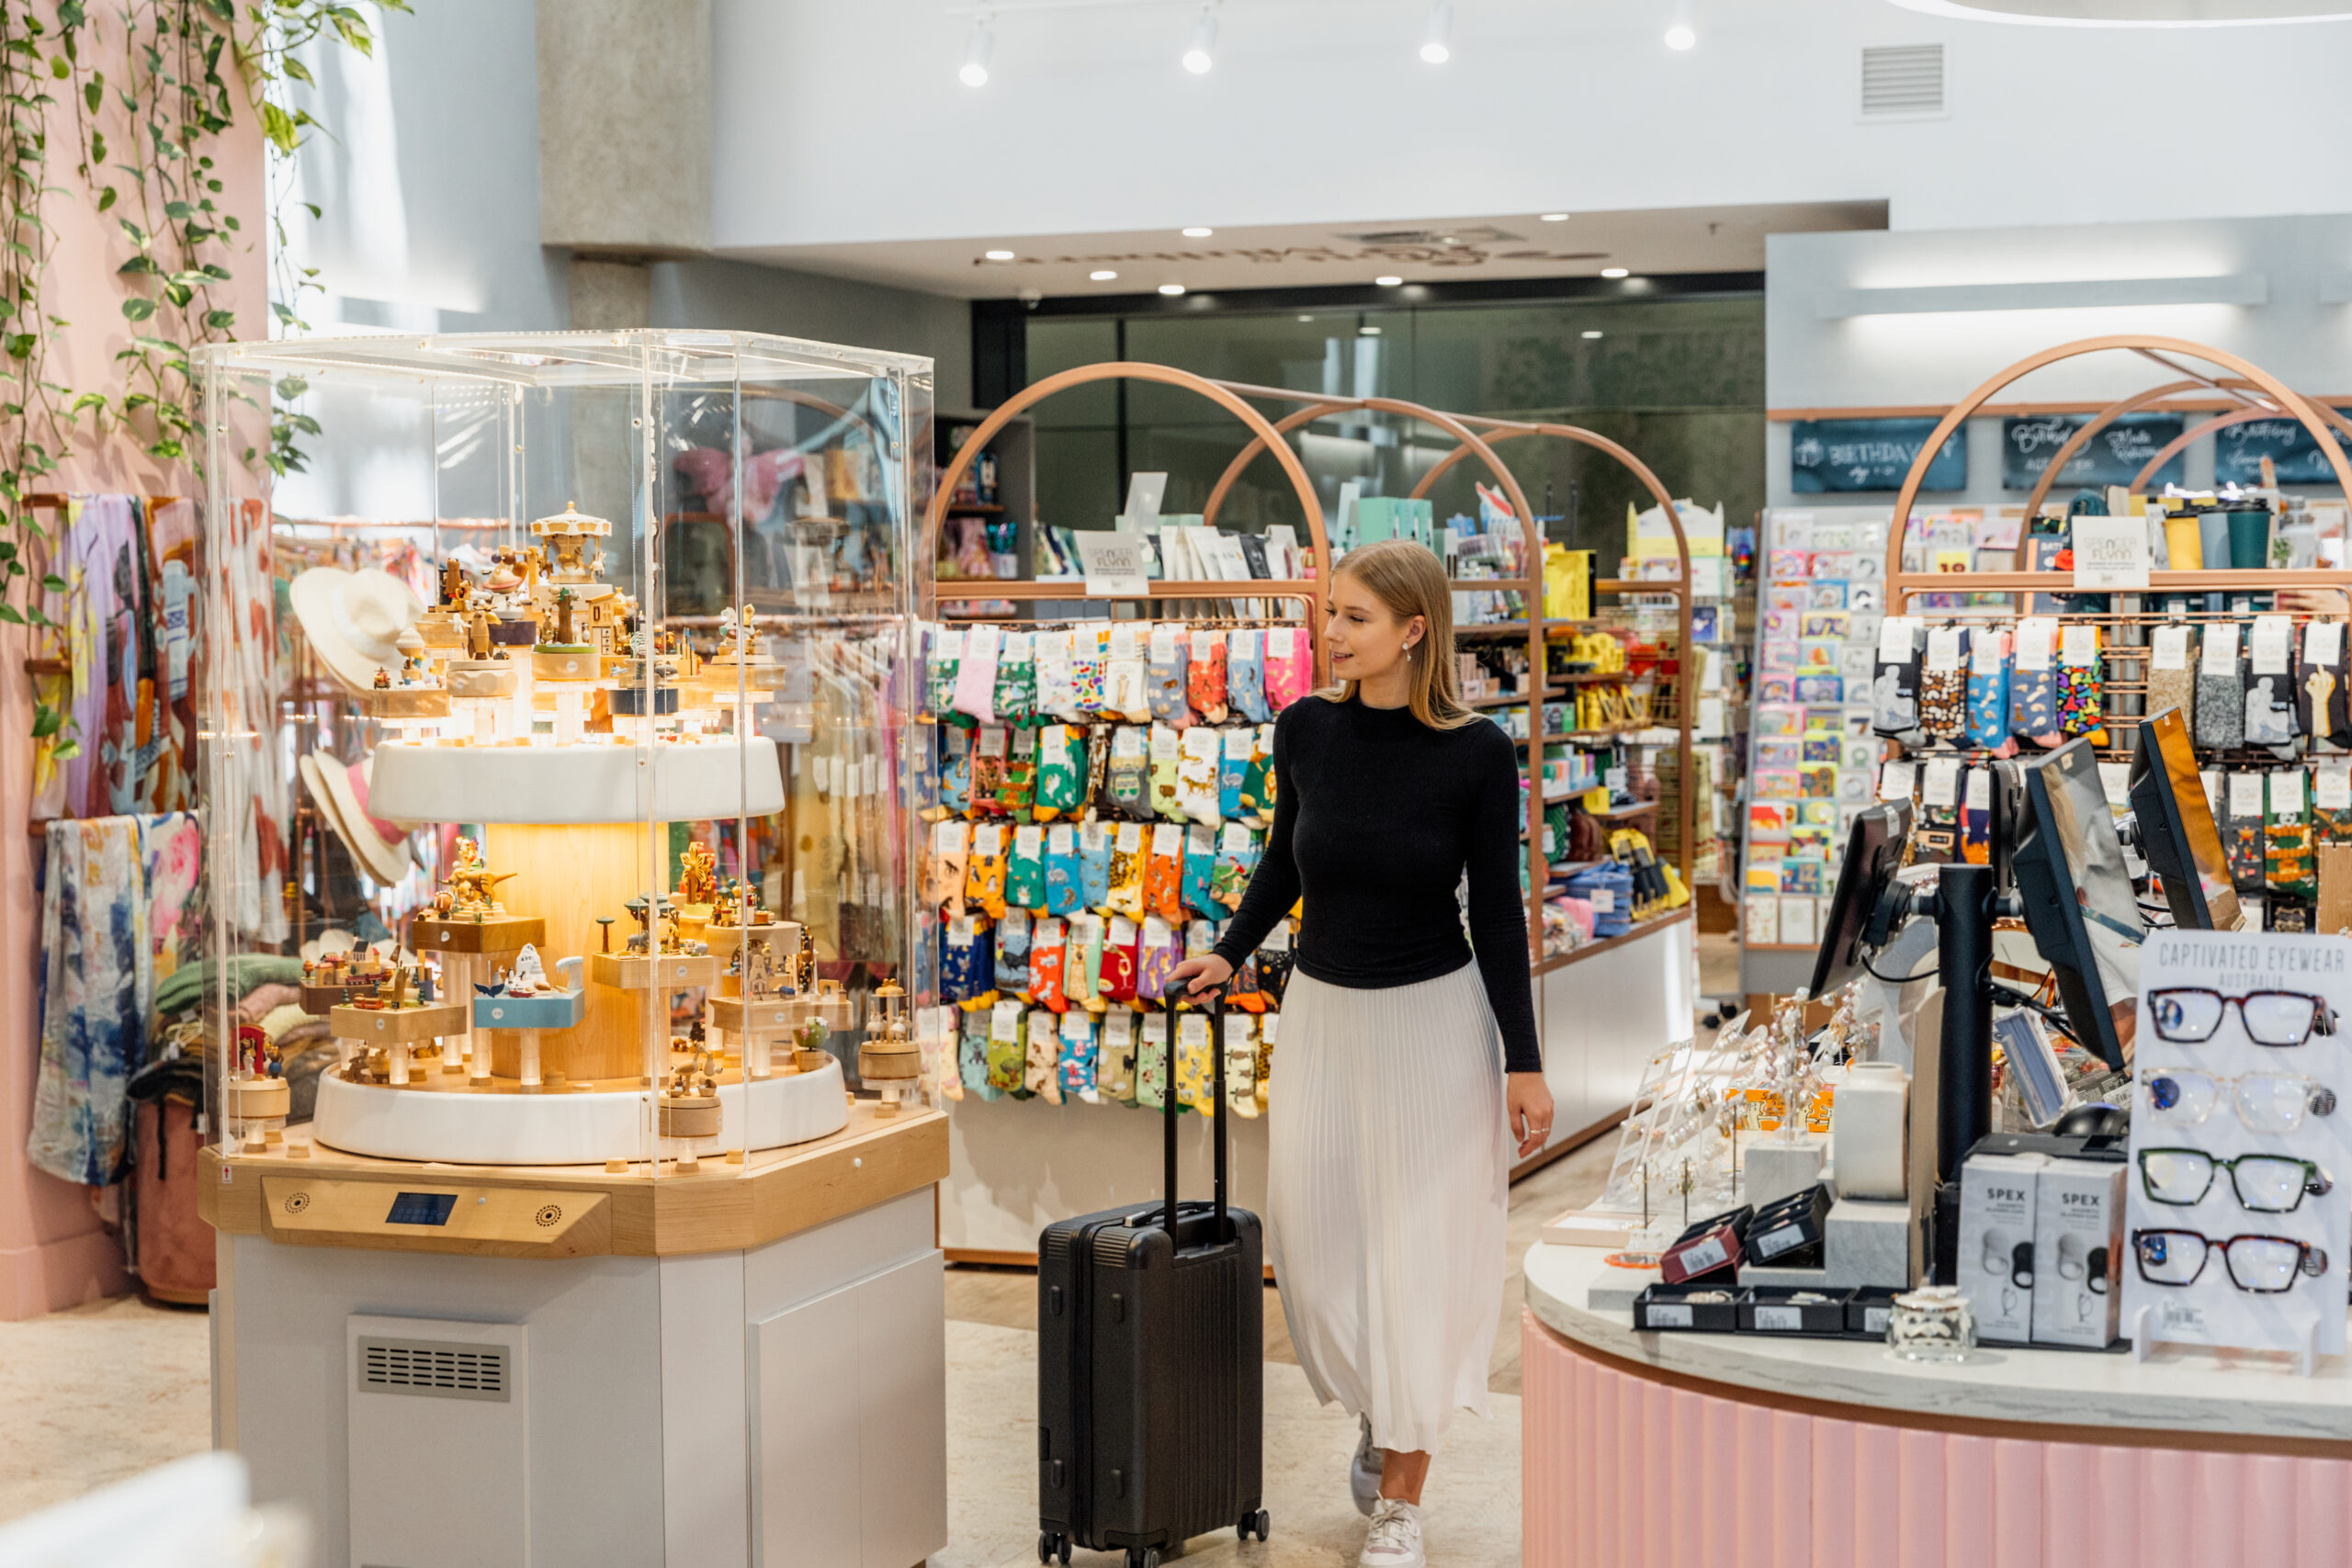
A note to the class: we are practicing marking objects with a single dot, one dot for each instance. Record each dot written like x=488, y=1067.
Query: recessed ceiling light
x=1389, y=282
x=1679, y=36
x=1613, y=271
x=1436, y=47
x=1000, y=255
x=1199, y=56
x=1103, y=275
x=1171, y=288
x=1367, y=332
x=1306, y=318
x=1592, y=335
x=1198, y=233
x=1553, y=216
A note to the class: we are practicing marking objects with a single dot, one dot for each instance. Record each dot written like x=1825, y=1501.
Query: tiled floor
x=108, y=1390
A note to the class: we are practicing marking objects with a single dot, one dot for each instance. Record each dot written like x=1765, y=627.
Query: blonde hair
x=1409, y=581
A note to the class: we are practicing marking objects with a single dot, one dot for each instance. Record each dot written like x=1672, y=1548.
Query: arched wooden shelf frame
x=1901, y=586
x=2151, y=398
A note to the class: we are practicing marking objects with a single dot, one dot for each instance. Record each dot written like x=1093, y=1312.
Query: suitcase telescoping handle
x=1167, y=1105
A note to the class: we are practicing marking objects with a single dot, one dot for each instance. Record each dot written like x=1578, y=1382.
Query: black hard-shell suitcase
x=1150, y=1365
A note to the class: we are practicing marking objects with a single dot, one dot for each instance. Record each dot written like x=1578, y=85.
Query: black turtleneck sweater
x=1377, y=816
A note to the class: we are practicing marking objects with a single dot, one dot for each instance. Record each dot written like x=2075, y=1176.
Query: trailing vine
x=189, y=66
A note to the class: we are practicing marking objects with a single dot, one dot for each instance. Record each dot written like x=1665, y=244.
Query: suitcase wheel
x=1050, y=1546
x=1143, y=1557
x=1256, y=1524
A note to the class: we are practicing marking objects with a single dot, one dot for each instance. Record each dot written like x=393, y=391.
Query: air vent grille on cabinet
x=440, y=1368
x=1903, y=82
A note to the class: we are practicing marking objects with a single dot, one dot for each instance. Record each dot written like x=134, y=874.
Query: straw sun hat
x=353, y=620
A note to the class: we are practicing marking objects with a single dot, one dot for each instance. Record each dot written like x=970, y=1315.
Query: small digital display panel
x=421, y=1209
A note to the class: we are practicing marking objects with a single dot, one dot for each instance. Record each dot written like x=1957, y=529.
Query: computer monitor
x=2077, y=891
x=1873, y=853
x=2176, y=830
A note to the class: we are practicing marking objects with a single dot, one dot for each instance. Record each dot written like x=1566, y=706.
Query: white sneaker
x=1395, y=1538
x=1363, y=1471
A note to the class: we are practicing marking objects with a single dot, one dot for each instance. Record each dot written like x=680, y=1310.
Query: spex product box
x=1711, y=1247
x=2077, y=1253
x=1994, y=1259
x=1781, y=1309
x=1672, y=1307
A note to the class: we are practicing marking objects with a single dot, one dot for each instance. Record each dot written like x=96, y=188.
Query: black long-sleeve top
x=1377, y=816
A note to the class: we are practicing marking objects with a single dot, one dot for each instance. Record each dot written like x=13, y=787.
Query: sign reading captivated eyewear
x=2238, y=1212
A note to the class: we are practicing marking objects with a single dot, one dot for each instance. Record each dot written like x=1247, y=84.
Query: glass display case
x=556, y=722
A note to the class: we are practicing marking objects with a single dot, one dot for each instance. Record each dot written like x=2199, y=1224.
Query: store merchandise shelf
x=1593, y=949
x=1518, y=699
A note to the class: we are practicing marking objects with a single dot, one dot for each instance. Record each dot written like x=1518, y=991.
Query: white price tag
x=1662, y=1315
x=1122, y=640
x=1165, y=743
x=1203, y=646
x=948, y=839
x=1168, y=838
x=1126, y=743
x=1980, y=789
x=1986, y=650
x=1028, y=840
x=988, y=840
x=2273, y=645
x=992, y=740
x=950, y=642
x=1237, y=839
x=1018, y=648
x=1939, y=786
x=2078, y=647
x=1897, y=637
x=1703, y=1256
x=1899, y=780
x=1603, y=900
x=2246, y=795
x=1123, y=934
x=2324, y=644
x=1944, y=645
x=1093, y=837
x=1157, y=933
x=1779, y=1319
x=1238, y=744
x=1163, y=644
x=2036, y=636
x=2221, y=655
x=2287, y=793
x=1061, y=840
x=1024, y=743
x=2170, y=649
x=1130, y=838
x=2332, y=783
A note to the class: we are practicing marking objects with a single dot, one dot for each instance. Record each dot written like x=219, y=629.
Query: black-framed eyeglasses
x=2258, y=1264
x=2188, y=1015
x=2264, y=1184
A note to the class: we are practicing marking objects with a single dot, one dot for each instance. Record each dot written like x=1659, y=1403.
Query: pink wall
x=1623, y=1472
x=53, y=1252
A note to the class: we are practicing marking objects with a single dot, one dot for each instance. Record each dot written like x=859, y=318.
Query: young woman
x=1408, y=1065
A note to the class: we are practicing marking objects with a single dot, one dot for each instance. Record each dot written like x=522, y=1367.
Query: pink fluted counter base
x=1625, y=1471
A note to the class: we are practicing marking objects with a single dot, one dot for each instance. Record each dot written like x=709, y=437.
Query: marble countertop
x=2176, y=1390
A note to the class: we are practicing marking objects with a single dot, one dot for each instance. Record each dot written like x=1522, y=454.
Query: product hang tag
x=1126, y=743
x=2170, y=649
x=992, y=740
x=1191, y=1031
x=2245, y=796
x=2271, y=649
x=2037, y=635
x=1898, y=639
x=980, y=642
x=2287, y=793
x=2332, y=783
x=1940, y=785
x=1123, y=931
x=1898, y=780
x=1163, y=644
x=1945, y=648
x=1028, y=840
x=949, y=642
x=962, y=930
x=1165, y=743
x=1024, y=743
x=1093, y=837
x=1119, y=1029
x=2111, y=552
x=1985, y=651
x=2324, y=644
x=1166, y=838
x=1130, y=838
x=948, y=838
x=2078, y=647
x=1238, y=745
x=1061, y=840
x=1980, y=789
x=1277, y=939
x=1004, y=1021
x=1236, y=839
x=2221, y=649
x=1155, y=1029
x=988, y=840
x=1158, y=932
x=1122, y=640
x=2212, y=779
x=1051, y=932
x=1018, y=648
x=1203, y=645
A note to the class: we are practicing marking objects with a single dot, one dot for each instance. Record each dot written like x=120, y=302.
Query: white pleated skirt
x=1386, y=1195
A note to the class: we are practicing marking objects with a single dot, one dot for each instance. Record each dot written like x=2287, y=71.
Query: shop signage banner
x=1114, y=561
x=2239, y=449
x=2119, y=451
x=1842, y=456
x=2111, y=552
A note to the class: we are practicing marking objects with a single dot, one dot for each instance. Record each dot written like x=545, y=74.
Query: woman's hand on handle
x=1529, y=1110
x=1204, y=974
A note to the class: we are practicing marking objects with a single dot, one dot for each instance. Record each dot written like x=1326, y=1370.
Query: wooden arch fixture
x=2082, y=437
x=1133, y=370
x=1501, y=430
x=1902, y=585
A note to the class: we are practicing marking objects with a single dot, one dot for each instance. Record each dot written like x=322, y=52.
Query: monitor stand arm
x=1963, y=904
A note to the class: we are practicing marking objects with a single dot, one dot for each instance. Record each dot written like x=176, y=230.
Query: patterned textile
x=253, y=836
x=97, y=990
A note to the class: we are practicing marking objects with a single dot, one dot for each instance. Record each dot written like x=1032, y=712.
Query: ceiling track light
x=1437, y=46
x=1202, y=55
x=974, y=71
x=1682, y=32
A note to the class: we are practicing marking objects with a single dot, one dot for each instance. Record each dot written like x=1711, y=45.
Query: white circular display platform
x=574, y=1128
x=574, y=784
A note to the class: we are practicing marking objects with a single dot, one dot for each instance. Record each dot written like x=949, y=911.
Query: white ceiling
x=1513, y=245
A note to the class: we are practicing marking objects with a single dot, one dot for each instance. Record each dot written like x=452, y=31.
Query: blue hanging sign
x=2238, y=451
x=1840, y=456
x=2113, y=457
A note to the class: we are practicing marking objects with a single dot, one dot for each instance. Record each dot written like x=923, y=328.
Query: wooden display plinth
x=783, y=937
x=260, y=1099
x=772, y=1019
x=581, y=664
x=637, y=972
x=386, y=1026
x=406, y=702
x=723, y=1206
x=491, y=933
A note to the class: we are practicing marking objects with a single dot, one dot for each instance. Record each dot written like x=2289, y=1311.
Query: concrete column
x=625, y=92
